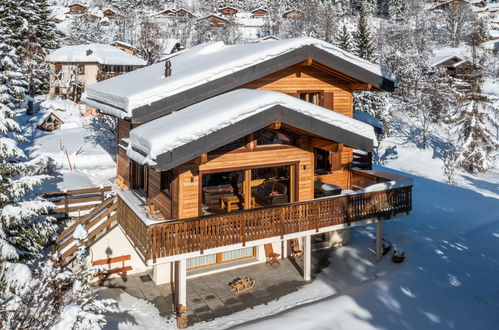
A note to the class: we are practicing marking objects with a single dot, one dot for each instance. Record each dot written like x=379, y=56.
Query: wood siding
x=337, y=93
x=157, y=197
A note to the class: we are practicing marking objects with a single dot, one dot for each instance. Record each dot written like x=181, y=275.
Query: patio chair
x=296, y=253
x=272, y=257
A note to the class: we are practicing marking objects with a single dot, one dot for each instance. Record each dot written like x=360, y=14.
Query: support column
x=378, y=240
x=307, y=258
x=182, y=282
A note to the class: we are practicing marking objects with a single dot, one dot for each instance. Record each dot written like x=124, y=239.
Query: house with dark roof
x=231, y=155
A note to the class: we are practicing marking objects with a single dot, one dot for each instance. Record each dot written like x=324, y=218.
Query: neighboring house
x=260, y=12
x=228, y=12
x=73, y=68
x=450, y=4
x=293, y=14
x=126, y=47
x=109, y=13
x=229, y=154
x=215, y=20
x=167, y=13
x=183, y=13
x=456, y=66
x=171, y=46
x=77, y=8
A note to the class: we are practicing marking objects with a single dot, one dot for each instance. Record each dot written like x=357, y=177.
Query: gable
x=211, y=69
x=180, y=137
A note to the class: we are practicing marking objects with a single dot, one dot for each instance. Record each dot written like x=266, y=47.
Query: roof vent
x=168, y=68
x=89, y=52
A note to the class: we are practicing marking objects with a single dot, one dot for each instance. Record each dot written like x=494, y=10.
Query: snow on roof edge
x=193, y=122
x=205, y=74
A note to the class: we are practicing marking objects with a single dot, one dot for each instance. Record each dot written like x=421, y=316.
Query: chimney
x=168, y=68
x=89, y=52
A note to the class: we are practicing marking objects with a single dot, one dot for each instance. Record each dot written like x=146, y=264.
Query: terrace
x=372, y=195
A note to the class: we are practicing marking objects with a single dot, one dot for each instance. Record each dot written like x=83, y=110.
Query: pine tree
x=396, y=9
x=24, y=231
x=375, y=104
x=344, y=39
x=363, y=43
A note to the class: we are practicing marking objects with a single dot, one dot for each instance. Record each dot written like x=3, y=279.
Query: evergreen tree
x=396, y=9
x=363, y=43
x=24, y=231
x=344, y=39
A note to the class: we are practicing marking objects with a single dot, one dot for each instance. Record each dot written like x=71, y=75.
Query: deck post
x=182, y=282
x=378, y=240
x=307, y=258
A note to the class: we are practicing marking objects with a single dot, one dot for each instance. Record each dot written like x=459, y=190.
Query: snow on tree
x=396, y=9
x=363, y=40
x=376, y=104
x=475, y=124
x=344, y=39
x=149, y=42
x=24, y=230
x=82, y=310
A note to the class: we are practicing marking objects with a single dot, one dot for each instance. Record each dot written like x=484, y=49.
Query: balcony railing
x=378, y=198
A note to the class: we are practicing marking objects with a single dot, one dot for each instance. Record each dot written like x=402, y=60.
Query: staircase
x=99, y=221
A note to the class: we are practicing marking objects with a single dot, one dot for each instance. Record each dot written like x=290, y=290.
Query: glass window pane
x=200, y=261
x=237, y=254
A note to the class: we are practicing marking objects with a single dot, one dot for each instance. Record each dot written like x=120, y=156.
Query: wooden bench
x=272, y=257
x=122, y=270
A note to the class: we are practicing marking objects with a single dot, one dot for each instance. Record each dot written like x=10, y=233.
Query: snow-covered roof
x=437, y=60
x=371, y=120
x=100, y=53
x=212, y=123
x=209, y=62
x=123, y=44
x=169, y=45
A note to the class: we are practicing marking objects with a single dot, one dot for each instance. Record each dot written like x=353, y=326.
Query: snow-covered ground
x=82, y=159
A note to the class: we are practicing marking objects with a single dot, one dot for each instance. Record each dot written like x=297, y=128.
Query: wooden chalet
x=456, y=67
x=228, y=12
x=260, y=12
x=215, y=20
x=293, y=14
x=229, y=152
x=111, y=14
x=167, y=13
x=126, y=47
x=77, y=8
x=451, y=4
x=184, y=13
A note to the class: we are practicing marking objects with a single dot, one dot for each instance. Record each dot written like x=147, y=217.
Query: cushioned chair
x=212, y=194
x=271, y=193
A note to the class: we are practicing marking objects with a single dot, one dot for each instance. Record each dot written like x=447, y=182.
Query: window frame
x=319, y=92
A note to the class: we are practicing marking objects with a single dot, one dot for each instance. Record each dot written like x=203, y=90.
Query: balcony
x=376, y=195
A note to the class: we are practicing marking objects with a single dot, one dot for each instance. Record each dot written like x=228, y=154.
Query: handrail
x=386, y=199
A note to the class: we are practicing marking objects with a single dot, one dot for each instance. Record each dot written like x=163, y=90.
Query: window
x=58, y=68
x=269, y=136
x=166, y=182
x=80, y=69
x=237, y=144
x=139, y=177
x=322, y=163
x=314, y=97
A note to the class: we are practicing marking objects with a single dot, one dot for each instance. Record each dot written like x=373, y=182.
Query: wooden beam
x=275, y=125
x=323, y=144
x=360, y=87
x=203, y=159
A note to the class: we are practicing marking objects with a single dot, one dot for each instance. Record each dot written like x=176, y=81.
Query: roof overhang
x=311, y=120
x=215, y=87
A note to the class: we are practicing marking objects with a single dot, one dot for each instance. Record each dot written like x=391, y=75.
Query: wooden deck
x=206, y=232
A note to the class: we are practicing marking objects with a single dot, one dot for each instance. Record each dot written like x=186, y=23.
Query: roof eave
x=199, y=93
x=210, y=142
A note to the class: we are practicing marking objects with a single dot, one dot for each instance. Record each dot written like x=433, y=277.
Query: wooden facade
x=333, y=91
